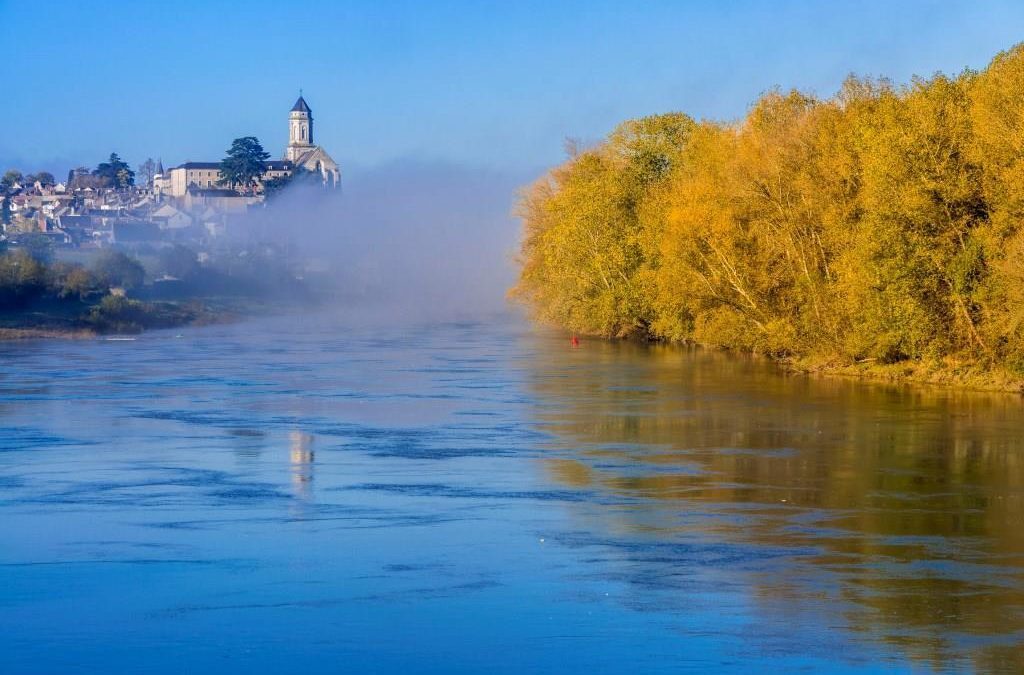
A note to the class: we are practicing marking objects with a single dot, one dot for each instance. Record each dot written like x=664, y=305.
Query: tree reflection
x=899, y=507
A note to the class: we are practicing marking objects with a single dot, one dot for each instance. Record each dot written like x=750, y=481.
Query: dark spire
x=300, y=105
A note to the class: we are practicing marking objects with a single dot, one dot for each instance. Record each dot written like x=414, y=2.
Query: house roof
x=165, y=211
x=212, y=192
x=301, y=106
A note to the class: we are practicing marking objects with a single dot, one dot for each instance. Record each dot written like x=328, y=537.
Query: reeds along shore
x=881, y=226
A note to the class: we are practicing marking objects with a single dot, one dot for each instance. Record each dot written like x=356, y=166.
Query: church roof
x=300, y=106
x=308, y=159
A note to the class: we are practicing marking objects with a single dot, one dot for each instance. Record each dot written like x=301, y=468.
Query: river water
x=298, y=495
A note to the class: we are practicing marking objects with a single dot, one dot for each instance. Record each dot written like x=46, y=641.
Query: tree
x=11, y=177
x=22, y=279
x=37, y=245
x=179, y=261
x=115, y=172
x=114, y=268
x=147, y=170
x=593, y=226
x=71, y=280
x=881, y=225
x=244, y=164
x=300, y=176
x=43, y=178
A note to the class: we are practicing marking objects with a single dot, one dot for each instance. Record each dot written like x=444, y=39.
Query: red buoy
x=575, y=342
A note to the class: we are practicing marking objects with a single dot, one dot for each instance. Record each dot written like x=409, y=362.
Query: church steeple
x=300, y=129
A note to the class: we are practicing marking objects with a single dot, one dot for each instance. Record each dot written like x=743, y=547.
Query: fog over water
x=406, y=240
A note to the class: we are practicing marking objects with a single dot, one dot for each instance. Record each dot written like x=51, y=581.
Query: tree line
x=882, y=224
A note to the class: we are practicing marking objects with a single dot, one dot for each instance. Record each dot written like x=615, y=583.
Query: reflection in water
x=692, y=511
x=247, y=443
x=896, y=511
x=301, y=456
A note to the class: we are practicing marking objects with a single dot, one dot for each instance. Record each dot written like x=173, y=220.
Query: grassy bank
x=946, y=372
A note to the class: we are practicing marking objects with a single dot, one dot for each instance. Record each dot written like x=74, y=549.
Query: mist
x=408, y=240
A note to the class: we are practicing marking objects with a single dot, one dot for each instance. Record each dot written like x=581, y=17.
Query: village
x=196, y=203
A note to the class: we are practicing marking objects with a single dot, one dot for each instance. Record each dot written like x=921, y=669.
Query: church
x=301, y=151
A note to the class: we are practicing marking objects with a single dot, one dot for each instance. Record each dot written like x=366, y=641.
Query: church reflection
x=301, y=460
x=894, y=511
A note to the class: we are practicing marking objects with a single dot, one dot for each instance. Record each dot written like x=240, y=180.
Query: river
x=299, y=495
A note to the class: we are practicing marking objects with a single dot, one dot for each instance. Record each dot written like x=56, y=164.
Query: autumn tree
x=882, y=224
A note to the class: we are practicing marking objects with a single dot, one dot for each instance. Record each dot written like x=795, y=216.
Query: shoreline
x=951, y=374
x=960, y=376
x=29, y=333
x=170, y=315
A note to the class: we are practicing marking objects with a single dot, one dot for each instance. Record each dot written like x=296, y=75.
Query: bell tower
x=300, y=130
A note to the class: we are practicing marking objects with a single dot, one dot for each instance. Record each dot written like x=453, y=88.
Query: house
x=225, y=201
x=129, y=231
x=169, y=218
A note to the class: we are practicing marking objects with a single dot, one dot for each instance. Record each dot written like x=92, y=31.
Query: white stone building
x=300, y=152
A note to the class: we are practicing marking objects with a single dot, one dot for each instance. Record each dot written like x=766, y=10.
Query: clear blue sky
x=492, y=83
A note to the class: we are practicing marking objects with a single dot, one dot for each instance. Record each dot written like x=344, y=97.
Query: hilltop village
x=116, y=249
x=194, y=203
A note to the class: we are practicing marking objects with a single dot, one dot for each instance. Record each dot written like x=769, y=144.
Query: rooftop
x=200, y=165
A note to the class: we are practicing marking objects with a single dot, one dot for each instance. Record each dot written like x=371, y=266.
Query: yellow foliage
x=882, y=224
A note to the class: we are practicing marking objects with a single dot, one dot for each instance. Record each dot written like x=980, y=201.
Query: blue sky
x=491, y=84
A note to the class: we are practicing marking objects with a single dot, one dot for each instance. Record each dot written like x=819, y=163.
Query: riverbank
x=112, y=314
x=947, y=373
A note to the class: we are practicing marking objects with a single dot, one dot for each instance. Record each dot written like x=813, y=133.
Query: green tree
x=114, y=268
x=115, y=172
x=11, y=176
x=43, y=178
x=245, y=163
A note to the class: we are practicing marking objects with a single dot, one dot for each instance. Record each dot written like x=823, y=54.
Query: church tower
x=300, y=130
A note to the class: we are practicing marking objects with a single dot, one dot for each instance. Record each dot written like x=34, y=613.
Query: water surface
x=298, y=495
